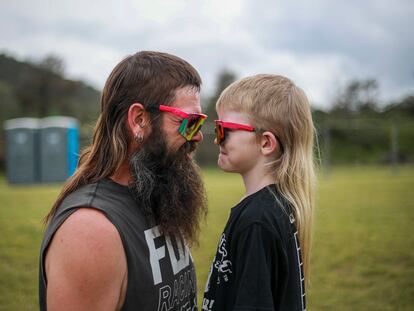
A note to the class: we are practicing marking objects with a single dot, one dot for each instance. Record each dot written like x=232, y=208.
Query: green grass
x=21, y=213
x=363, y=248
x=362, y=259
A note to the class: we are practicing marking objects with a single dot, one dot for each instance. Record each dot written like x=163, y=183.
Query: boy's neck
x=254, y=181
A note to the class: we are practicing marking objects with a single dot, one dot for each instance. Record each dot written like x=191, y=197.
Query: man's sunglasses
x=222, y=127
x=191, y=123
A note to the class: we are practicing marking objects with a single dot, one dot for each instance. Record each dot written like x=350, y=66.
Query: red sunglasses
x=191, y=123
x=222, y=127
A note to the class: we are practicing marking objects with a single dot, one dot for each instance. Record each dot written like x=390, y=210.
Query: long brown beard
x=168, y=187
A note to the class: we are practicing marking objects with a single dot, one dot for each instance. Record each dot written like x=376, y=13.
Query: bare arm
x=85, y=264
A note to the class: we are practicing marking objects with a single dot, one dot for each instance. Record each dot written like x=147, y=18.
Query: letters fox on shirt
x=170, y=297
x=161, y=273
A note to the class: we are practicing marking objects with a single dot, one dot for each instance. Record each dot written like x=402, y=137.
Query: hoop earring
x=139, y=138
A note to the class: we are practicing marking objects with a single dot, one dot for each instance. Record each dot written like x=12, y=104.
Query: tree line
x=40, y=89
x=355, y=129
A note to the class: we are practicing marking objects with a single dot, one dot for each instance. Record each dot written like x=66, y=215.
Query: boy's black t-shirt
x=258, y=263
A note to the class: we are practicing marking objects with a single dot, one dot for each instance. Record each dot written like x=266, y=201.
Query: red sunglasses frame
x=183, y=130
x=220, y=137
x=181, y=113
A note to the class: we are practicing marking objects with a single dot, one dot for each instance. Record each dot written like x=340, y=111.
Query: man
x=117, y=235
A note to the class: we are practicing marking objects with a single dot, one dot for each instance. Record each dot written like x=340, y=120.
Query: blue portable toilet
x=59, y=148
x=22, y=150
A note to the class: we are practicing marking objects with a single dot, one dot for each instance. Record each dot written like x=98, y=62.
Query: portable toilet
x=59, y=148
x=22, y=150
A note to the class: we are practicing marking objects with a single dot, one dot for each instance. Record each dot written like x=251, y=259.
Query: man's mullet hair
x=149, y=78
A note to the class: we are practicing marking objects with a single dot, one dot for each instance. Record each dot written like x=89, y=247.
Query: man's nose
x=198, y=137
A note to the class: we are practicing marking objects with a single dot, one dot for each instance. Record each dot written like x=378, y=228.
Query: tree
x=53, y=63
x=8, y=103
x=359, y=96
x=225, y=78
x=404, y=108
x=207, y=151
x=40, y=88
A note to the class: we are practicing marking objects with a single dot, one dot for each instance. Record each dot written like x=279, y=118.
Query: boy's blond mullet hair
x=274, y=103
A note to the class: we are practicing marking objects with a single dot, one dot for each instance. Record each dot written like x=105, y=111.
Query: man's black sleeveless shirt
x=161, y=273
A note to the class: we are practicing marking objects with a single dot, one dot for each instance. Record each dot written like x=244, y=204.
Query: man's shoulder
x=81, y=195
x=86, y=251
x=85, y=234
x=86, y=219
x=99, y=191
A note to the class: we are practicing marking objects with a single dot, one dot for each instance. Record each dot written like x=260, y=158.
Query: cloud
x=320, y=44
x=371, y=39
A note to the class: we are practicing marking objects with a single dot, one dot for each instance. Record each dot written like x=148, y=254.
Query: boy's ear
x=269, y=144
x=138, y=118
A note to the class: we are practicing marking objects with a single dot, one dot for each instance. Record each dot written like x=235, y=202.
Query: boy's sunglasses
x=191, y=123
x=222, y=127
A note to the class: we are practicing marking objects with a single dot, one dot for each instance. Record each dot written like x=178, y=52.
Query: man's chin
x=190, y=147
x=191, y=154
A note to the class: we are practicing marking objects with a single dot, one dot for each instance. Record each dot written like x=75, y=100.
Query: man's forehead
x=187, y=91
x=187, y=99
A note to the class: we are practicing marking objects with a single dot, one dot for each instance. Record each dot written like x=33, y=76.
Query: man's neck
x=122, y=175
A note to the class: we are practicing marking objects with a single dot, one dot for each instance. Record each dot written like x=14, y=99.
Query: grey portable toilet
x=59, y=148
x=22, y=153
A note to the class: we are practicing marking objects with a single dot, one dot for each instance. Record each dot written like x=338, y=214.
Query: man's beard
x=168, y=186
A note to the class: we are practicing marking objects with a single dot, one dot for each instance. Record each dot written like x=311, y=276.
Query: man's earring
x=139, y=138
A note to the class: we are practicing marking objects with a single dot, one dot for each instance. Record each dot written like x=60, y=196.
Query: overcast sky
x=320, y=44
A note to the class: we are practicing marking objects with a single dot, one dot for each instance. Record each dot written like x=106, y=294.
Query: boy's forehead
x=233, y=116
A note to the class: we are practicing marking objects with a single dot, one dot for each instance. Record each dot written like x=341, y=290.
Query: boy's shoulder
x=267, y=208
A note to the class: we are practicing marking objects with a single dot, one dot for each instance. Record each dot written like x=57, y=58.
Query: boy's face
x=240, y=150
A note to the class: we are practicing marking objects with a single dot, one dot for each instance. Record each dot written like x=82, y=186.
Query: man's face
x=187, y=99
x=166, y=182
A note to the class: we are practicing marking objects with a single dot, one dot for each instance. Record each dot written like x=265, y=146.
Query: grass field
x=363, y=255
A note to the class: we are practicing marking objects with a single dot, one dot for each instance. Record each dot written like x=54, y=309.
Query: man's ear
x=137, y=119
x=269, y=144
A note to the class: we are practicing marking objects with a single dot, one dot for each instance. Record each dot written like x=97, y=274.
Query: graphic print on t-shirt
x=222, y=265
x=156, y=254
x=171, y=296
x=300, y=262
